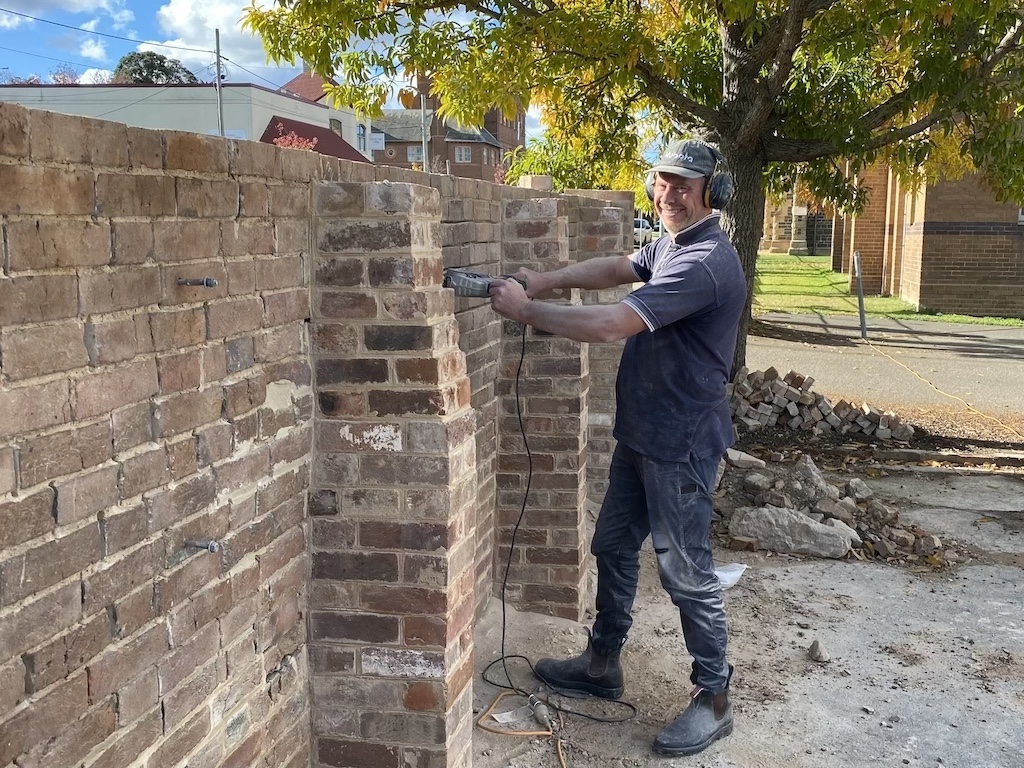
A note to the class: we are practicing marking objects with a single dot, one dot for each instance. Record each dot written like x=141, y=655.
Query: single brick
x=286, y=306
x=280, y=272
x=47, y=244
x=233, y=316
x=46, y=191
x=27, y=517
x=114, y=388
x=207, y=199
x=278, y=343
x=127, y=195
x=39, y=619
x=114, y=341
x=14, y=131
x=86, y=495
x=45, y=720
x=177, y=328
x=7, y=476
x=179, y=372
x=62, y=453
x=143, y=472
x=121, y=663
x=177, y=745
x=36, y=351
x=75, y=741
x=184, y=412
x=80, y=140
x=185, y=240
x=241, y=277
x=181, y=500
x=132, y=242
x=195, y=152
x=132, y=426
x=132, y=742
x=247, y=237
x=123, y=288
x=49, y=563
x=37, y=298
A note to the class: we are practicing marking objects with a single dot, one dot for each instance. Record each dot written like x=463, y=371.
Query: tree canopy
x=819, y=88
x=152, y=68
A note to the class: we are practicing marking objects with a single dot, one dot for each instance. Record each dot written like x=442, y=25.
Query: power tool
x=474, y=284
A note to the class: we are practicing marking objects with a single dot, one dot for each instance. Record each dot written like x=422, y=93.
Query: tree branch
x=787, y=35
x=782, y=149
x=668, y=93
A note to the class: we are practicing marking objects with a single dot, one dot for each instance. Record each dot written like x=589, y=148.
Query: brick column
x=868, y=230
x=548, y=573
x=392, y=490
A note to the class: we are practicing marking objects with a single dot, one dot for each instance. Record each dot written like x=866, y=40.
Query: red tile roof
x=327, y=141
x=306, y=85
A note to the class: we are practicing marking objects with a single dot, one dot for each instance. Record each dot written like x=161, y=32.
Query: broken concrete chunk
x=789, y=531
x=901, y=538
x=818, y=654
x=927, y=544
x=773, y=497
x=885, y=548
x=755, y=482
x=882, y=514
x=858, y=489
x=846, y=530
x=807, y=484
x=742, y=460
x=830, y=508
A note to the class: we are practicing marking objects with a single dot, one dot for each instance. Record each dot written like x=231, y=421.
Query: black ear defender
x=718, y=188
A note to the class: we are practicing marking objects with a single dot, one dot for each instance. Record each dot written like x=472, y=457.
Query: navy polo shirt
x=670, y=392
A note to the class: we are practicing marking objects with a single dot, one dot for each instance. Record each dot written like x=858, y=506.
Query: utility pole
x=220, y=93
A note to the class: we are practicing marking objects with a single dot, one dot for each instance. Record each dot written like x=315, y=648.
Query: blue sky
x=37, y=47
x=82, y=35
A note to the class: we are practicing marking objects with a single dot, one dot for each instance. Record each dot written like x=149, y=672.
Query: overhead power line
x=49, y=58
x=104, y=34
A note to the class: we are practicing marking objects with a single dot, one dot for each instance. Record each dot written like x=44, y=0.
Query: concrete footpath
x=984, y=365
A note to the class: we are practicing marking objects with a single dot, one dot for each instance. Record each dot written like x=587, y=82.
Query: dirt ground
x=927, y=665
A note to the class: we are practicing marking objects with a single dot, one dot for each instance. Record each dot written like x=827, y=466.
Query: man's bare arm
x=592, y=274
x=603, y=323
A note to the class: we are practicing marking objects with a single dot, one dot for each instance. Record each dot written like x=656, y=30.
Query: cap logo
x=683, y=157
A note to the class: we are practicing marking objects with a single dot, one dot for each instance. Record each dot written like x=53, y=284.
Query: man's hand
x=508, y=298
x=536, y=282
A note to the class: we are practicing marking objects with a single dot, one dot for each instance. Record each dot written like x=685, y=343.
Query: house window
x=463, y=154
x=336, y=126
x=1020, y=216
x=414, y=154
x=361, y=137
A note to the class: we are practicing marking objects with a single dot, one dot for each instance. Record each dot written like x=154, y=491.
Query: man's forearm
x=595, y=324
x=592, y=274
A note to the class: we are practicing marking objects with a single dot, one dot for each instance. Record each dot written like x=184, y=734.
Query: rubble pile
x=764, y=399
x=790, y=507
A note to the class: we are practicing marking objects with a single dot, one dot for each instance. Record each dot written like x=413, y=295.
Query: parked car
x=643, y=232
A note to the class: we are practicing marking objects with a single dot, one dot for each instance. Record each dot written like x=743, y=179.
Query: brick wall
x=136, y=416
x=325, y=412
x=974, y=252
x=868, y=229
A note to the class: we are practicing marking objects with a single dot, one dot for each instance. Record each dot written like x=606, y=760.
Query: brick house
x=457, y=150
x=949, y=247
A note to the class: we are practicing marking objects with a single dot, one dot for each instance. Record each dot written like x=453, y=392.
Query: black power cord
x=504, y=658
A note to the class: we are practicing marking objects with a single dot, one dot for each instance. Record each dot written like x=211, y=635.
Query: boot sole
x=693, y=750
x=593, y=690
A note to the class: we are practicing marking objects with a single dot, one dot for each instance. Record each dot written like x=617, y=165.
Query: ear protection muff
x=718, y=189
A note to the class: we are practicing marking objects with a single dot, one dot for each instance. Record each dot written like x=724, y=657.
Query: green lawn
x=807, y=284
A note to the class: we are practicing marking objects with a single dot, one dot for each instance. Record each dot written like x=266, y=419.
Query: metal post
x=860, y=294
x=220, y=94
x=424, y=130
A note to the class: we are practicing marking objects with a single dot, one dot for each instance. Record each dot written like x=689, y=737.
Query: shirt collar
x=699, y=230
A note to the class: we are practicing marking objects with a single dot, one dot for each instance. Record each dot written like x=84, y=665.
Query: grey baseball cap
x=689, y=159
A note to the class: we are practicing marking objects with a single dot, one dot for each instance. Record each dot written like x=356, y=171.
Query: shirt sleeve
x=680, y=287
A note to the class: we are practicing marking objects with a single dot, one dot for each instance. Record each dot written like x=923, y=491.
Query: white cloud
x=191, y=24
x=93, y=49
x=42, y=8
x=90, y=26
x=93, y=75
x=534, y=129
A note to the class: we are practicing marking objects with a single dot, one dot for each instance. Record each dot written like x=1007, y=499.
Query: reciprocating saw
x=474, y=284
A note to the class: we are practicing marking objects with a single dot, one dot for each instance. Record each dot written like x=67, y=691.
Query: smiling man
x=672, y=425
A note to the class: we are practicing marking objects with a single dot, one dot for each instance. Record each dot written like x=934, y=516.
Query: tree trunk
x=744, y=223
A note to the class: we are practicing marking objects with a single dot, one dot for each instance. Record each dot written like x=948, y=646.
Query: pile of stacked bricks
x=764, y=399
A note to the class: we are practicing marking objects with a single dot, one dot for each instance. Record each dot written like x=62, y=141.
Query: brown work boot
x=599, y=674
x=707, y=719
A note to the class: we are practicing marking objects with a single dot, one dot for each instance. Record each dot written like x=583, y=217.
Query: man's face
x=678, y=201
